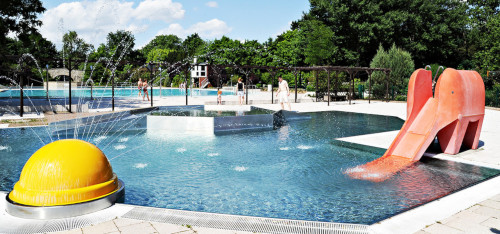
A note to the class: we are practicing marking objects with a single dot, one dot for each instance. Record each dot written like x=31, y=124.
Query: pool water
x=294, y=172
x=106, y=92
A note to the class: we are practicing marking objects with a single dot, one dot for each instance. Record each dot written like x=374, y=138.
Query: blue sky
x=237, y=19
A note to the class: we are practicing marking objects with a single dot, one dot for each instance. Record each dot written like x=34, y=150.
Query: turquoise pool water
x=294, y=172
x=106, y=92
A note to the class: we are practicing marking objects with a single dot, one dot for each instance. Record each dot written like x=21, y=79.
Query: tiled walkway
x=483, y=217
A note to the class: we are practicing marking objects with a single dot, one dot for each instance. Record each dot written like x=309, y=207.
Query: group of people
x=283, y=91
x=143, y=86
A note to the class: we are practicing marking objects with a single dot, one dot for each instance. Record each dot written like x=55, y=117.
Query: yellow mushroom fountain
x=64, y=178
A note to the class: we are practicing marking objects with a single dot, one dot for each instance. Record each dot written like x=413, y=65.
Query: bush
x=400, y=98
x=401, y=65
x=492, y=96
x=177, y=80
x=310, y=88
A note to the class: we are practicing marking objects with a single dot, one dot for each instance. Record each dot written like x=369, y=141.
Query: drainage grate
x=242, y=223
x=11, y=224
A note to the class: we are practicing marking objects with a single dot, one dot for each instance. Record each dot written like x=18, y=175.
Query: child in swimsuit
x=145, y=89
x=219, y=97
x=139, y=86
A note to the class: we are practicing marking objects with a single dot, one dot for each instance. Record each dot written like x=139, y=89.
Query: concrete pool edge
x=178, y=217
x=418, y=218
x=407, y=222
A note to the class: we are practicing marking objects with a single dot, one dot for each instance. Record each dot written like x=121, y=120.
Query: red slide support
x=455, y=115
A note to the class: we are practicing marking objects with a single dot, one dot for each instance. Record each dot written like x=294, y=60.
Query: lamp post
x=150, y=68
x=69, y=68
x=112, y=92
x=91, y=84
x=159, y=69
x=185, y=79
x=21, y=99
x=47, y=82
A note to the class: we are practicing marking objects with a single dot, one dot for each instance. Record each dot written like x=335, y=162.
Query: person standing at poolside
x=139, y=86
x=219, y=96
x=145, y=90
x=241, y=90
x=283, y=92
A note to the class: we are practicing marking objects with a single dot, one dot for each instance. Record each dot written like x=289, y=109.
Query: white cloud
x=209, y=29
x=165, y=10
x=93, y=20
x=212, y=4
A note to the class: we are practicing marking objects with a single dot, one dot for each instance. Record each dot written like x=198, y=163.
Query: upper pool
x=106, y=92
x=294, y=172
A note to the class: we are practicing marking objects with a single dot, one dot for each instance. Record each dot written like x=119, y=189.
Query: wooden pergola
x=352, y=71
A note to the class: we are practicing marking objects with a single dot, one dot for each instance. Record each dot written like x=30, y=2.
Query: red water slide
x=455, y=115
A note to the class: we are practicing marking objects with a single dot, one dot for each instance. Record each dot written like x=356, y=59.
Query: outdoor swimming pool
x=106, y=92
x=294, y=172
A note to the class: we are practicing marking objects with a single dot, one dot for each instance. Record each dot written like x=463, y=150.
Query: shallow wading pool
x=292, y=172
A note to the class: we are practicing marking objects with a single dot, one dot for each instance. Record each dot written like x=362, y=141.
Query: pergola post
x=47, y=83
x=185, y=79
x=336, y=84
x=350, y=94
x=112, y=92
x=328, y=87
x=295, y=73
x=386, y=86
x=21, y=99
x=369, y=86
x=316, y=76
x=248, y=74
x=273, y=74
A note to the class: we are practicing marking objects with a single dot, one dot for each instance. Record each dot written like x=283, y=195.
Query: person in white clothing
x=283, y=92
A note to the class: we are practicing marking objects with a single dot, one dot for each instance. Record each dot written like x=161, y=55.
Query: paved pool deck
x=472, y=210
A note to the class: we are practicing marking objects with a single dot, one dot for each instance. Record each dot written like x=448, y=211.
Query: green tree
x=163, y=55
x=432, y=31
x=75, y=47
x=485, y=31
x=401, y=64
x=120, y=43
x=318, y=43
x=288, y=48
x=250, y=53
x=33, y=43
x=75, y=50
x=19, y=17
x=222, y=51
x=172, y=42
x=193, y=45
